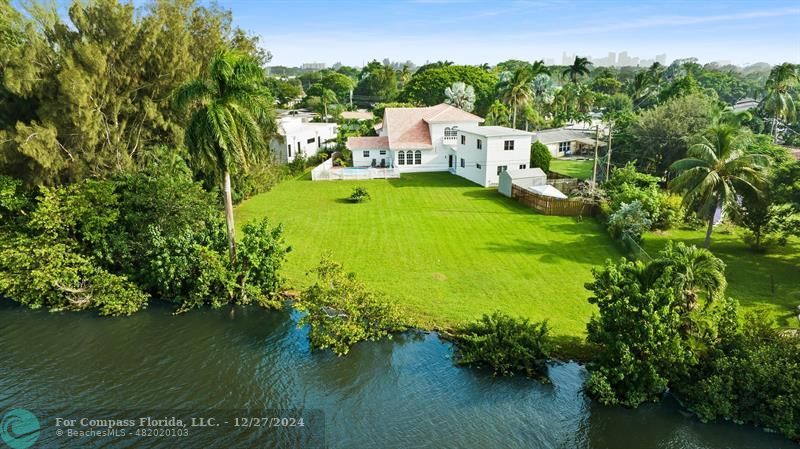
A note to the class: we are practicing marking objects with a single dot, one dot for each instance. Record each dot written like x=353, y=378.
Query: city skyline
x=475, y=32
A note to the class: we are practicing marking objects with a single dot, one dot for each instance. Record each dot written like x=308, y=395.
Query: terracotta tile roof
x=368, y=143
x=442, y=113
x=407, y=128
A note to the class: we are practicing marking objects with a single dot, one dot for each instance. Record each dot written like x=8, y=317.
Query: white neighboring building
x=483, y=152
x=443, y=138
x=296, y=135
x=568, y=141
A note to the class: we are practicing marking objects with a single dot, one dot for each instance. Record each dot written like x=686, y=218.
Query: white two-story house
x=442, y=138
x=296, y=136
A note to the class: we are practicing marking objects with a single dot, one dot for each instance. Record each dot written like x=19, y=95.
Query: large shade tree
x=716, y=172
x=230, y=119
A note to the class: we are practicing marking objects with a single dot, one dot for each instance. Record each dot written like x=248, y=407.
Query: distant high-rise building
x=623, y=59
x=313, y=66
x=661, y=59
x=567, y=59
x=549, y=61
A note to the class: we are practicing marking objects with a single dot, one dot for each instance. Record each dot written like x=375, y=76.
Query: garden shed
x=524, y=178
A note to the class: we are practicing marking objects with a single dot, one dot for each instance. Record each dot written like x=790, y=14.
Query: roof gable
x=408, y=128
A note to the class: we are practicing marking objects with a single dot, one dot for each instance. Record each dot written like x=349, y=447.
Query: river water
x=247, y=362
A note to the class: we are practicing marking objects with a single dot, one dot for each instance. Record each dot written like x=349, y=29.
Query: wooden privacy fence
x=552, y=206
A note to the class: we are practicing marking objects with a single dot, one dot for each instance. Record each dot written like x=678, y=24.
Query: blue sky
x=473, y=31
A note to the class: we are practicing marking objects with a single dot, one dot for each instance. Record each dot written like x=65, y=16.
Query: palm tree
x=517, y=90
x=539, y=68
x=461, y=96
x=779, y=100
x=231, y=118
x=716, y=172
x=578, y=69
x=497, y=114
x=697, y=271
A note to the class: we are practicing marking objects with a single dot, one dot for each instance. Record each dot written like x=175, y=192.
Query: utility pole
x=608, y=153
x=594, y=166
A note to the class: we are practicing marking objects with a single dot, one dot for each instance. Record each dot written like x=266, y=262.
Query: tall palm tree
x=517, y=91
x=578, y=69
x=716, y=171
x=779, y=100
x=231, y=118
x=539, y=68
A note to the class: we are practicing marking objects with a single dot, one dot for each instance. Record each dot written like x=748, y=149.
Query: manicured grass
x=771, y=280
x=575, y=169
x=446, y=249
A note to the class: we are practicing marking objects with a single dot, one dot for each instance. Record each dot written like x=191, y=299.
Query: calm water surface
x=403, y=393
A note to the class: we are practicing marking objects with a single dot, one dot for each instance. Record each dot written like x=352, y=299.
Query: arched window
x=401, y=158
x=417, y=157
x=450, y=133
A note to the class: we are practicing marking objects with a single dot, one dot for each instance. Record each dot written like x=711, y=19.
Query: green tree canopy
x=88, y=92
x=428, y=87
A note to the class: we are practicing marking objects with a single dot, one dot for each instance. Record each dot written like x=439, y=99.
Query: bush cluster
x=110, y=245
x=506, y=344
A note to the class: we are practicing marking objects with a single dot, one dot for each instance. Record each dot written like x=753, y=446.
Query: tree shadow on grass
x=593, y=250
x=430, y=180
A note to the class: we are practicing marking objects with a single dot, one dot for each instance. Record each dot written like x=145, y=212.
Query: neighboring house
x=359, y=115
x=442, y=138
x=298, y=136
x=568, y=141
x=745, y=104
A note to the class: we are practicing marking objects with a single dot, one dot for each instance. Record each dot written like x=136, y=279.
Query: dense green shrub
x=359, y=195
x=341, y=311
x=108, y=245
x=629, y=221
x=540, y=156
x=648, y=331
x=506, y=344
x=752, y=376
x=627, y=185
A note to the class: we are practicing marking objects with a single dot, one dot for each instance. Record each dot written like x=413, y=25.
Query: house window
x=480, y=144
x=523, y=166
x=478, y=166
x=290, y=149
x=508, y=145
x=563, y=146
x=463, y=139
x=311, y=140
x=401, y=158
x=462, y=163
x=298, y=147
x=366, y=153
x=450, y=133
x=501, y=168
x=417, y=157
x=383, y=152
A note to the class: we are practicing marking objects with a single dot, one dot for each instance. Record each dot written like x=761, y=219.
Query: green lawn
x=446, y=249
x=575, y=169
x=771, y=280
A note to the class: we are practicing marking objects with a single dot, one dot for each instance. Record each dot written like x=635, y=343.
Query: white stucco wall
x=360, y=160
x=490, y=157
x=297, y=136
